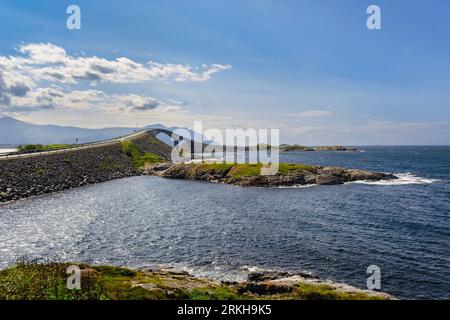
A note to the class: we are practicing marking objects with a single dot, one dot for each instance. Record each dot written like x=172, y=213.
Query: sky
x=310, y=68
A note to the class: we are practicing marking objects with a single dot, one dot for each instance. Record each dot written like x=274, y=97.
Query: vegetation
x=249, y=169
x=31, y=281
x=245, y=170
x=285, y=168
x=139, y=158
x=40, y=147
x=110, y=164
x=306, y=291
x=294, y=147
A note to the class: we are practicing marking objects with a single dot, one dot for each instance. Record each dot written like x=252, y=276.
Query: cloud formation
x=311, y=114
x=35, y=80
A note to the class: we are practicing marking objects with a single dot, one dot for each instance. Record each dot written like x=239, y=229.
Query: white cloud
x=30, y=82
x=44, y=61
x=311, y=114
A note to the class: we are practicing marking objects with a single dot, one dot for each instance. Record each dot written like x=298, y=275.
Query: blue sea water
x=224, y=231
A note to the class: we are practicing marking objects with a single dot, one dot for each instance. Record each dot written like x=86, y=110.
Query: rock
x=267, y=275
x=326, y=179
x=303, y=175
x=265, y=288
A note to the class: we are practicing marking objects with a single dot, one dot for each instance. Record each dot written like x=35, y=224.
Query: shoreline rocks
x=297, y=148
x=288, y=175
x=26, y=281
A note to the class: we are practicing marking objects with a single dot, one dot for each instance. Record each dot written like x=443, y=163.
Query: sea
x=224, y=232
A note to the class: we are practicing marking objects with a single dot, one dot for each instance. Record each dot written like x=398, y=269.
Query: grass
x=306, y=291
x=216, y=293
x=139, y=158
x=295, y=147
x=110, y=164
x=245, y=170
x=40, y=147
x=31, y=281
x=250, y=170
x=286, y=168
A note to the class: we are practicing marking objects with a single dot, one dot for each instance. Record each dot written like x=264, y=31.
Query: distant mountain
x=16, y=132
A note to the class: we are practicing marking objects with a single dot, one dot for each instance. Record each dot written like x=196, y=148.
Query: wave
x=297, y=186
x=403, y=179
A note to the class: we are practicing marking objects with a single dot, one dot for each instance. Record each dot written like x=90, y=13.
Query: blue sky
x=310, y=68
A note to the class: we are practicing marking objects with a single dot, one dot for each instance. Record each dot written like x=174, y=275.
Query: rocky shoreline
x=248, y=175
x=29, y=281
x=296, y=148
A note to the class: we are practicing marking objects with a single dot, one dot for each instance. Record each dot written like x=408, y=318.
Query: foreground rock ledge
x=248, y=175
x=29, y=281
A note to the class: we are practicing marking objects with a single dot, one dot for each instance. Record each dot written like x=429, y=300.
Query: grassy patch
x=139, y=158
x=110, y=164
x=289, y=167
x=29, y=281
x=306, y=291
x=249, y=170
x=245, y=170
x=40, y=147
x=215, y=293
x=295, y=147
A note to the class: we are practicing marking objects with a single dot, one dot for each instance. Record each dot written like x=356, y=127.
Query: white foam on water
x=298, y=186
x=403, y=179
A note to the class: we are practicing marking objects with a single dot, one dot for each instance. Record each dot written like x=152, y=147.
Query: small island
x=297, y=148
x=249, y=175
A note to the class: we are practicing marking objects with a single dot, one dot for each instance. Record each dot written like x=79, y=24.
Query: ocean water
x=224, y=231
x=6, y=150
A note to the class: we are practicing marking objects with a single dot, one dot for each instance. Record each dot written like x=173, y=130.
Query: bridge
x=135, y=135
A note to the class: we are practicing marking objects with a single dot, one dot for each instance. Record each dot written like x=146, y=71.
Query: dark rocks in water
x=335, y=148
x=261, y=276
x=267, y=275
x=296, y=147
x=155, y=169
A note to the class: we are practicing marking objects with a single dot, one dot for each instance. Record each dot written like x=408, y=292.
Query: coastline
x=150, y=283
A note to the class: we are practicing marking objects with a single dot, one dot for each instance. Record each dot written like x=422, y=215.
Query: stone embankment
x=29, y=176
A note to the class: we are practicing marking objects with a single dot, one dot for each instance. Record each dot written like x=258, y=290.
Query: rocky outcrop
x=247, y=176
x=296, y=147
x=27, y=281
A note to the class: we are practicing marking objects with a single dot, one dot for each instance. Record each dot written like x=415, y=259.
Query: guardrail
x=35, y=153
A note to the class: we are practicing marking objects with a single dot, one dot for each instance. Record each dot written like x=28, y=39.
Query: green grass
x=216, y=293
x=29, y=281
x=306, y=291
x=285, y=168
x=250, y=170
x=295, y=147
x=139, y=158
x=245, y=170
x=40, y=147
